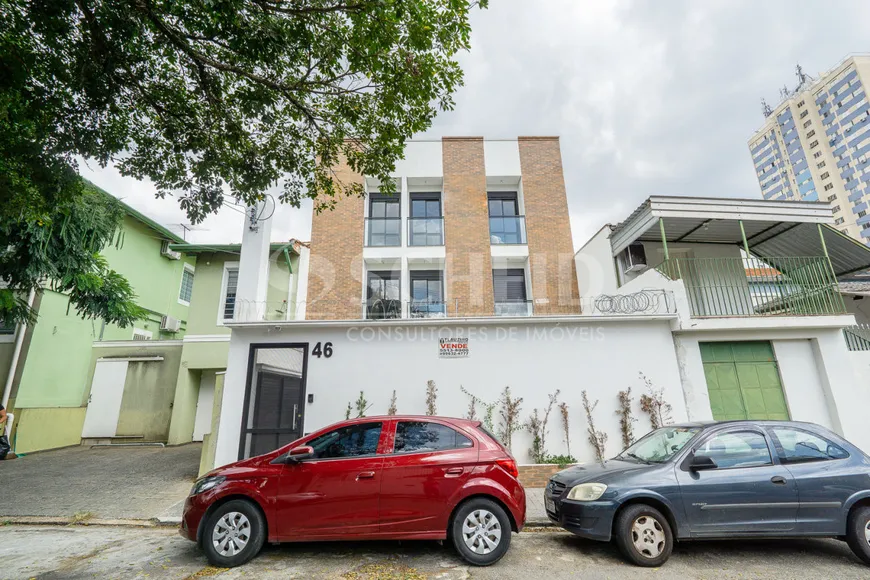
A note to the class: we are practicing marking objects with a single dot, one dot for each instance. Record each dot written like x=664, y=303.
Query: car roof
x=756, y=422
x=370, y=418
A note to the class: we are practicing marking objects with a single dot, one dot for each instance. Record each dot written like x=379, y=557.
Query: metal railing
x=514, y=308
x=426, y=231
x=383, y=232
x=857, y=337
x=507, y=229
x=772, y=286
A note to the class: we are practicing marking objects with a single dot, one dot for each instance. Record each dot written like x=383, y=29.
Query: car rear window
x=486, y=431
x=424, y=436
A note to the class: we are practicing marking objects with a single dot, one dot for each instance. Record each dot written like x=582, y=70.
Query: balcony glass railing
x=426, y=231
x=383, y=232
x=514, y=308
x=427, y=309
x=507, y=229
x=383, y=309
x=770, y=286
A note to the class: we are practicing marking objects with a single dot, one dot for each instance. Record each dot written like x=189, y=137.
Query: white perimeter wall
x=533, y=359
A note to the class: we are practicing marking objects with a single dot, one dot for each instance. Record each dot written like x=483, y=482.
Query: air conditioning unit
x=169, y=324
x=634, y=258
x=167, y=253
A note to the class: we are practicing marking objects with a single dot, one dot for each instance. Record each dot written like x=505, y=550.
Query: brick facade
x=335, y=271
x=548, y=227
x=538, y=475
x=468, y=267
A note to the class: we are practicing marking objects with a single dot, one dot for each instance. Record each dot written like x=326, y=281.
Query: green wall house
x=206, y=344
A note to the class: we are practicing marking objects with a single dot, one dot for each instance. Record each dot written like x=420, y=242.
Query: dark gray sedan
x=734, y=479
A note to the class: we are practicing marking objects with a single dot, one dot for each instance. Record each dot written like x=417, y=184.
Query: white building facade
x=664, y=309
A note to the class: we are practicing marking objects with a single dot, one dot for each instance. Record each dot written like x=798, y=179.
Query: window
x=839, y=221
x=814, y=144
x=825, y=175
x=808, y=122
x=810, y=133
x=509, y=289
x=862, y=213
x=820, y=164
x=384, y=222
x=796, y=446
x=425, y=227
x=817, y=154
x=6, y=328
x=383, y=298
x=506, y=226
x=660, y=445
x=799, y=105
x=351, y=441
x=829, y=187
x=836, y=208
x=737, y=449
x=427, y=294
x=832, y=197
x=231, y=285
x=425, y=437
x=186, y=290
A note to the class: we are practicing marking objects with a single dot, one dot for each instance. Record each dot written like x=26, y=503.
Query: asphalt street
x=72, y=552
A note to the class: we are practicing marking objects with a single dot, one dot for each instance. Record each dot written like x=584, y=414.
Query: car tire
x=644, y=535
x=233, y=534
x=480, y=531
x=858, y=533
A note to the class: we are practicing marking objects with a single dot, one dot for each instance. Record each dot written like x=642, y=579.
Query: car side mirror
x=300, y=453
x=702, y=463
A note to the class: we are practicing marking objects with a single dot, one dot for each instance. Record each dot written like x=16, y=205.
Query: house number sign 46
x=325, y=350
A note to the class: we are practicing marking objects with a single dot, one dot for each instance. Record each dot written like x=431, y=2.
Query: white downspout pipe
x=16, y=352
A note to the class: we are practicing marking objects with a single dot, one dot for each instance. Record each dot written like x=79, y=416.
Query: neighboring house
x=76, y=380
x=662, y=301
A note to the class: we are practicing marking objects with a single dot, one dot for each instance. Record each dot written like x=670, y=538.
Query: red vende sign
x=452, y=347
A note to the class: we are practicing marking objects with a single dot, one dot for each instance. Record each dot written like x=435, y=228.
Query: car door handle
x=365, y=475
x=778, y=480
x=454, y=471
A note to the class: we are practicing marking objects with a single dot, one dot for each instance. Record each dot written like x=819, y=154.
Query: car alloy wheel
x=231, y=534
x=648, y=536
x=867, y=532
x=481, y=531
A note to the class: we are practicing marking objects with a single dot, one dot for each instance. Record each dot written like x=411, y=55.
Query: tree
x=60, y=249
x=214, y=99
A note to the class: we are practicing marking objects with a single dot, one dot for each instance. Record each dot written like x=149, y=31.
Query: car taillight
x=508, y=465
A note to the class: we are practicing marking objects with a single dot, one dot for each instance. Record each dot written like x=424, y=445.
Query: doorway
x=274, y=412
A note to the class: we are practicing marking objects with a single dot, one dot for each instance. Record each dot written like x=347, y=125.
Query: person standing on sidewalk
x=5, y=448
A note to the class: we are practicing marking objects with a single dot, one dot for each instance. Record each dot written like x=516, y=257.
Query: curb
x=160, y=522
x=69, y=521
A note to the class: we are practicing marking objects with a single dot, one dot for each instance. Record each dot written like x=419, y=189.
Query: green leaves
x=204, y=99
x=233, y=96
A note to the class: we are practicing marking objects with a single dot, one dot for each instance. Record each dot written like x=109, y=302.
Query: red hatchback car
x=394, y=477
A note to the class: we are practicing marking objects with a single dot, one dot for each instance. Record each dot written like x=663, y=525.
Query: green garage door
x=743, y=381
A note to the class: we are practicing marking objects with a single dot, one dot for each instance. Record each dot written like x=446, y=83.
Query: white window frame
x=222, y=298
x=192, y=270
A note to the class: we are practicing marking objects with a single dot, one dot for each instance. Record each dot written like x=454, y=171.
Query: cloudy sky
x=649, y=97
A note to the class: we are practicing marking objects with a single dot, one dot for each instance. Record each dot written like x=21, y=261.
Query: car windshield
x=660, y=445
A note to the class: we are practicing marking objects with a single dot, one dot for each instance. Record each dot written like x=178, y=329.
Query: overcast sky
x=648, y=97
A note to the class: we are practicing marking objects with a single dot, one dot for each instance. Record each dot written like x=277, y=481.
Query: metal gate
x=743, y=381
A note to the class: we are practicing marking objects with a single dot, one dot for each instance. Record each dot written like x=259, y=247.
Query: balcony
x=507, y=229
x=426, y=231
x=383, y=232
x=748, y=287
x=514, y=308
x=427, y=309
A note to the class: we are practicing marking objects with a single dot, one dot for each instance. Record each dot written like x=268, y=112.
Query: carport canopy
x=770, y=229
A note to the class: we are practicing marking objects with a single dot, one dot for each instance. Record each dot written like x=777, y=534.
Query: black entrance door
x=274, y=410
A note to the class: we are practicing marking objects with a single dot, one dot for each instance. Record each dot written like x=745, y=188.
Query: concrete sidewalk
x=104, y=482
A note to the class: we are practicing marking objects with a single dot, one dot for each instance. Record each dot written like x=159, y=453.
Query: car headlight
x=207, y=483
x=587, y=491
